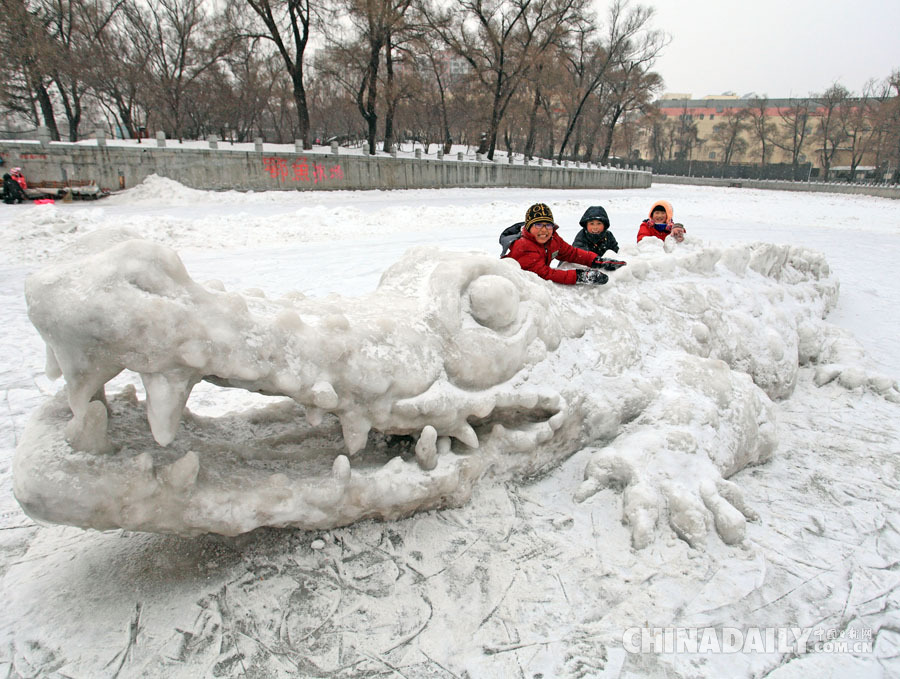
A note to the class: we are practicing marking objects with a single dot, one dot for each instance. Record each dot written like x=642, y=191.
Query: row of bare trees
x=538, y=76
x=836, y=123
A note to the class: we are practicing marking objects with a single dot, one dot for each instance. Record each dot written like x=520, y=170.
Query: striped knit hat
x=537, y=213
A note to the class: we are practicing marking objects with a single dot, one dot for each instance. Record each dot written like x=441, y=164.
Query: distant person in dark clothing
x=12, y=192
x=595, y=234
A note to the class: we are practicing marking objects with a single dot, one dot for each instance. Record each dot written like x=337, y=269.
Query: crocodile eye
x=493, y=301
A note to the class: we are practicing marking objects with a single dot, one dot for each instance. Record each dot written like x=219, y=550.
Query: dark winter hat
x=594, y=212
x=537, y=213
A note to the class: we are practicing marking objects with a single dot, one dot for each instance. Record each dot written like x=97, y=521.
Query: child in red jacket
x=660, y=223
x=16, y=173
x=540, y=245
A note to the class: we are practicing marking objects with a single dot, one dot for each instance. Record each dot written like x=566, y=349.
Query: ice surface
x=475, y=363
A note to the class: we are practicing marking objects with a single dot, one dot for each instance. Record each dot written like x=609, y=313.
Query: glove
x=607, y=264
x=591, y=276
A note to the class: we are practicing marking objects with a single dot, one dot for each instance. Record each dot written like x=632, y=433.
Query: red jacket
x=648, y=229
x=532, y=256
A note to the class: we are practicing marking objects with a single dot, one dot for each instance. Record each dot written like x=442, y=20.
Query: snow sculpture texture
x=459, y=364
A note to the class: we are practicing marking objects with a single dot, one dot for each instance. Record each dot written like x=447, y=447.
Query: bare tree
x=117, y=70
x=858, y=119
x=377, y=28
x=180, y=45
x=830, y=130
x=686, y=137
x=629, y=45
x=440, y=77
x=728, y=136
x=538, y=83
x=762, y=126
x=75, y=28
x=893, y=122
x=794, y=130
x=659, y=132
x=28, y=58
x=502, y=40
x=886, y=120
x=630, y=87
x=287, y=25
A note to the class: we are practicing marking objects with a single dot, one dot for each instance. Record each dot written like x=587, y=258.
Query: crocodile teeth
x=89, y=432
x=340, y=469
x=314, y=416
x=166, y=396
x=51, y=365
x=557, y=420
x=426, y=448
x=483, y=407
x=356, y=432
x=324, y=395
x=466, y=435
x=182, y=473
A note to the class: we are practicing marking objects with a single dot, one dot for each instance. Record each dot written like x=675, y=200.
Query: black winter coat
x=12, y=191
x=598, y=243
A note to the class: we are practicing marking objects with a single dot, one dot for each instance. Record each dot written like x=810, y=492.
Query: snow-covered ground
x=522, y=580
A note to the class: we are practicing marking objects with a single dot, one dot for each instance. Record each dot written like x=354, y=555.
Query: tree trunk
x=46, y=105
x=302, y=108
x=391, y=103
x=491, y=141
x=369, y=88
x=532, y=121
x=610, y=131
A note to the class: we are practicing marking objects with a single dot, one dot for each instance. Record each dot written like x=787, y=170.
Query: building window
x=712, y=115
x=701, y=116
x=712, y=155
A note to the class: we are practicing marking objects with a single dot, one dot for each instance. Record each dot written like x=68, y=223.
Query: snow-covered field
x=522, y=581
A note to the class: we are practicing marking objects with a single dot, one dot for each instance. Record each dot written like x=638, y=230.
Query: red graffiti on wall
x=300, y=170
x=33, y=156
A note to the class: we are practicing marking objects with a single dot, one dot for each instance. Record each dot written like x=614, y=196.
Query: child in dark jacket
x=595, y=234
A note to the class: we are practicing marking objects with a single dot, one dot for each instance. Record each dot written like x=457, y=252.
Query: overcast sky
x=780, y=48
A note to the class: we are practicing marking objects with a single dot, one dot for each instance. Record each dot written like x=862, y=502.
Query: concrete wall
x=880, y=190
x=117, y=167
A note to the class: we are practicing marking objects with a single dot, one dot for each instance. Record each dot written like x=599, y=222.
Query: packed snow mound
x=459, y=364
x=157, y=190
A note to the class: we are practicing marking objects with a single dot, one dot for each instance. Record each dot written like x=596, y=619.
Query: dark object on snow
x=591, y=276
x=510, y=235
x=12, y=192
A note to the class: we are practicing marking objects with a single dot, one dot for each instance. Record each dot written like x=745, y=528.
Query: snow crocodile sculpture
x=457, y=367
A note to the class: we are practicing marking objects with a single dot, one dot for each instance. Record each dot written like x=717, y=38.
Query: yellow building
x=730, y=130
